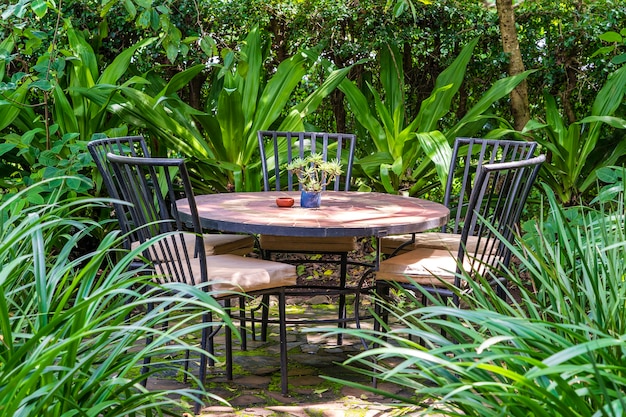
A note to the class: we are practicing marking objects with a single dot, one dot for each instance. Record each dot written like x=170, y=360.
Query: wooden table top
x=341, y=214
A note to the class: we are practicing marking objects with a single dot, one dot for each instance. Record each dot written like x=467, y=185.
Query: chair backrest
x=126, y=145
x=495, y=206
x=468, y=156
x=151, y=186
x=280, y=148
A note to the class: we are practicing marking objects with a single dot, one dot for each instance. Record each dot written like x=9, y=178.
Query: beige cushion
x=236, y=273
x=313, y=244
x=434, y=240
x=427, y=266
x=214, y=244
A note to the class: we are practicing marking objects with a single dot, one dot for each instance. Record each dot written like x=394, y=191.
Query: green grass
x=74, y=326
x=558, y=349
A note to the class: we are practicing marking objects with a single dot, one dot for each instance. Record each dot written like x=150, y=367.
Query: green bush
x=74, y=327
x=556, y=347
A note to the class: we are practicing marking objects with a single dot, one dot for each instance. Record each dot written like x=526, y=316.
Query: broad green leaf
x=64, y=112
x=232, y=121
x=181, y=79
x=385, y=179
x=439, y=151
x=86, y=69
x=392, y=78
x=611, y=36
x=497, y=91
x=116, y=69
x=40, y=7
x=253, y=51
x=611, y=95
x=451, y=77
x=361, y=110
x=10, y=110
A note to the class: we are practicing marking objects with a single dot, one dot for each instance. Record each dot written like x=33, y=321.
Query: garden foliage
x=554, y=347
x=74, y=325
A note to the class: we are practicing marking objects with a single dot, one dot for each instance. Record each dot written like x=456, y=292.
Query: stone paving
x=255, y=390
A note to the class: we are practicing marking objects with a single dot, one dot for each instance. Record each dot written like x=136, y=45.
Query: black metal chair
x=279, y=149
x=495, y=205
x=151, y=186
x=214, y=244
x=468, y=156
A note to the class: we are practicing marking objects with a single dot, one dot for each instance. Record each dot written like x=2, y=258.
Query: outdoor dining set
x=226, y=243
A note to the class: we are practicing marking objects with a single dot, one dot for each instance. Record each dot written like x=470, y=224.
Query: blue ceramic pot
x=310, y=199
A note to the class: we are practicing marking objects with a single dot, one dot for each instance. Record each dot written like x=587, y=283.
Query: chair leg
x=380, y=313
x=147, y=359
x=265, y=302
x=382, y=293
x=242, y=323
x=265, y=316
x=282, y=318
x=228, y=343
x=343, y=274
x=206, y=342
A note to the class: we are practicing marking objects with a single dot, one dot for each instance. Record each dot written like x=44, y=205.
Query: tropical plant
x=416, y=152
x=74, y=325
x=45, y=123
x=221, y=142
x=577, y=150
x=554, y=347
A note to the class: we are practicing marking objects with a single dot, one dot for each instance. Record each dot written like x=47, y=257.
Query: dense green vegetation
x=74, y=329
x=199, y=78
x=554, y=348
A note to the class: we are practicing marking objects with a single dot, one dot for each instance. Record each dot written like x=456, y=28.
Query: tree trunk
x=510, y=45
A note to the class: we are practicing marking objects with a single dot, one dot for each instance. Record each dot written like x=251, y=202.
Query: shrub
x=555, y=349
x=73, y=332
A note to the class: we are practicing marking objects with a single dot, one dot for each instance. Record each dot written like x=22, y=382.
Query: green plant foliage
x=222, y=142
x=45, y=122
x=554, y=348
x=617, y=46
x=313, y=172
x=414, y=150
x=74, y=325
x=577, y=150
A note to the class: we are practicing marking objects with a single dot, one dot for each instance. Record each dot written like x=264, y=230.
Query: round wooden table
x=342, y=213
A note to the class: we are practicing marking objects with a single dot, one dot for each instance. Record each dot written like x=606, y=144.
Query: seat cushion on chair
x=214, y=244
x=426, y=266
x=435, y=240
x=236, y=273
x=307, y=244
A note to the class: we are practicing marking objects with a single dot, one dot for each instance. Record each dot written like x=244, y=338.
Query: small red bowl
x=284, y=201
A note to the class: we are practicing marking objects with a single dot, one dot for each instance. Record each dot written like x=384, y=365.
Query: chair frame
x=135, y=146
x=468, y=156
x=304, y=143
x=494, y=208
x=157, y=214
x=278, y=148
x=487, y=151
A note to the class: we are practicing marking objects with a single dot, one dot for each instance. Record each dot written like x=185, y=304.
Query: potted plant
x=314, y=174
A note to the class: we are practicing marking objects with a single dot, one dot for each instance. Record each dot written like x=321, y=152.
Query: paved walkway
x=255, y=390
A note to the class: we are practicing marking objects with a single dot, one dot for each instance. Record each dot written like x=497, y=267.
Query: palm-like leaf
x=221, y=142
x=413, y=151
x=574, y=147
